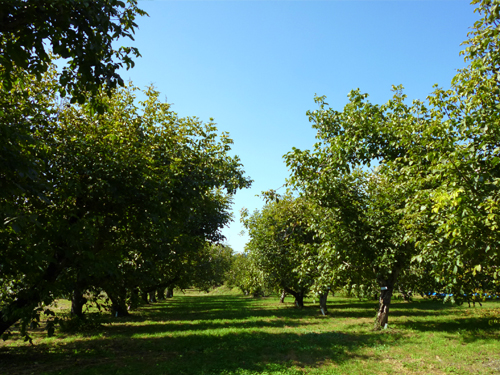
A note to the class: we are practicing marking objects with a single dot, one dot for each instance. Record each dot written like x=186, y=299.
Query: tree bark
x=152, y=296
x=299, y=297
x=118, y=302
x=322, y=302
x=387, y=288
x=5, y=324
x=144, y=297
x=299, y=300
x=78, y=301
x=170, y=293
x=134, y=298
x=119, y=309
x=160, y=294
x=10, y=313
x=283, y=295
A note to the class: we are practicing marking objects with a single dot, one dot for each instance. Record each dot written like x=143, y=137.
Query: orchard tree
x=454, y=214
x=26, y=111
x=360, y=239
x=246, y=276
x=130, y=187
x=277, y=235
x=211, y=267
x=32, y=34
x=438, y=170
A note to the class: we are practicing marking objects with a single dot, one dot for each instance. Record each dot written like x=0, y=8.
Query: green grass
x=231, y=334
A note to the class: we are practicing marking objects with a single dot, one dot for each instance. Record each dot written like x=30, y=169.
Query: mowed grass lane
x=228, y=334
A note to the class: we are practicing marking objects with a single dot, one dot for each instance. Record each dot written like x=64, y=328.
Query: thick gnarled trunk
x=322, y=302
x=152, y=296
x=78, y=301
x=299, y=297
x=160, y=294
x=283, y=295
x=170, y=293
x=118, y=299
x=386, y=291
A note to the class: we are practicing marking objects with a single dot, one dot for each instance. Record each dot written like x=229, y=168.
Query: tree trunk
x=152, y=296
x=134, y=298
x=322, y=302
x=299, y=300
x=387, y=288
x=119, y=309
x=78, y=301
x=118, y=302
x=406, y=295
x=144, y=297
x=5, y=324
x=10, y=314
x=299, y=297
x=283, y=295
x=170, y=292
x=160, y=294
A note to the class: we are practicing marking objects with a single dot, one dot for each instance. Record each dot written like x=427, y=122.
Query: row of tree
x=109, y=191
x=425, y=218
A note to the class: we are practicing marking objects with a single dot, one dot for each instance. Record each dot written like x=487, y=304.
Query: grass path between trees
x=228, y=334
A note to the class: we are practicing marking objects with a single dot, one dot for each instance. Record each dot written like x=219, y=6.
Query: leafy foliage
x=79, y=32
x=277, y=236
x=127, y=199
x=433, y=198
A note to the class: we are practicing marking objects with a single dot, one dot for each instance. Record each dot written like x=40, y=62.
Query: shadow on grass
x=469, y=328
x=204, y=325
x=232, y=353
x=228, y=335
x=237, y=307
x=222, y=307
x=273, y=339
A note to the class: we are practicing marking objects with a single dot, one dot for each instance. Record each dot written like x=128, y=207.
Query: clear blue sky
x=254, y=66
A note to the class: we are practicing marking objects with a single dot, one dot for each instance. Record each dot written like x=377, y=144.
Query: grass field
x=230, y=334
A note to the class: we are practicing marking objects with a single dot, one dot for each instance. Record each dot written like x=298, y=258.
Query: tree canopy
x=436, y=180
x=81, y=33
x=126, y=199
